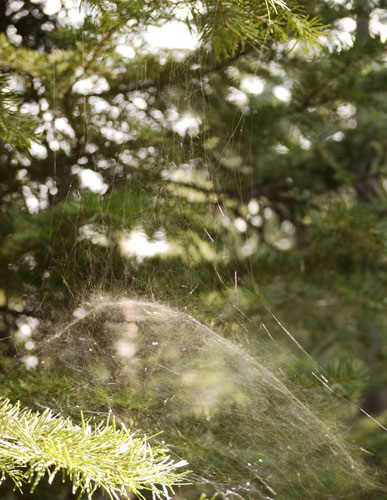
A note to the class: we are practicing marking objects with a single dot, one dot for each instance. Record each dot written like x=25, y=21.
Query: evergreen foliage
x=16, y=129
x=34, y=446
x=228, y=25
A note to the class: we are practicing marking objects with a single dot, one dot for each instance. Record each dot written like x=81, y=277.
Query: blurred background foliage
x=231, y=180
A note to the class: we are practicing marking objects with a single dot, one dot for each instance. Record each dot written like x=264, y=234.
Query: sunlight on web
x=156, y=368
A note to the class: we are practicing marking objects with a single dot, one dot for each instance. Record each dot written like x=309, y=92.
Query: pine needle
x=36, y=445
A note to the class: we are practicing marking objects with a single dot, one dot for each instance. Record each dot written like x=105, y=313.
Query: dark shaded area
x=28, y=20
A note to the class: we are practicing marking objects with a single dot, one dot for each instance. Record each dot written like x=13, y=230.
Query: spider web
x=160, y=370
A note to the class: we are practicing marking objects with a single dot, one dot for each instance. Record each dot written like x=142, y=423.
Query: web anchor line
x=320, y=377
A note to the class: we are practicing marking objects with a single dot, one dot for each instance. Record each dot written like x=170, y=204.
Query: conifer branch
x=228, y=25
x=37, y=445
x=16, y=129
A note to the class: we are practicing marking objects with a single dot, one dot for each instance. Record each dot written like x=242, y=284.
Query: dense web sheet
x=241, y=428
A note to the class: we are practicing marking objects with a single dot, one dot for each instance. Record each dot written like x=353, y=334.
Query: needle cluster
x=34, y=446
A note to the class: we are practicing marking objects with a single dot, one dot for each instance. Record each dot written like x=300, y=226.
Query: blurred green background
x=239, y=189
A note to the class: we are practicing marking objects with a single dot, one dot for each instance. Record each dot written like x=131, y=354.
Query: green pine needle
x=16, y=129
x=37, y=445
